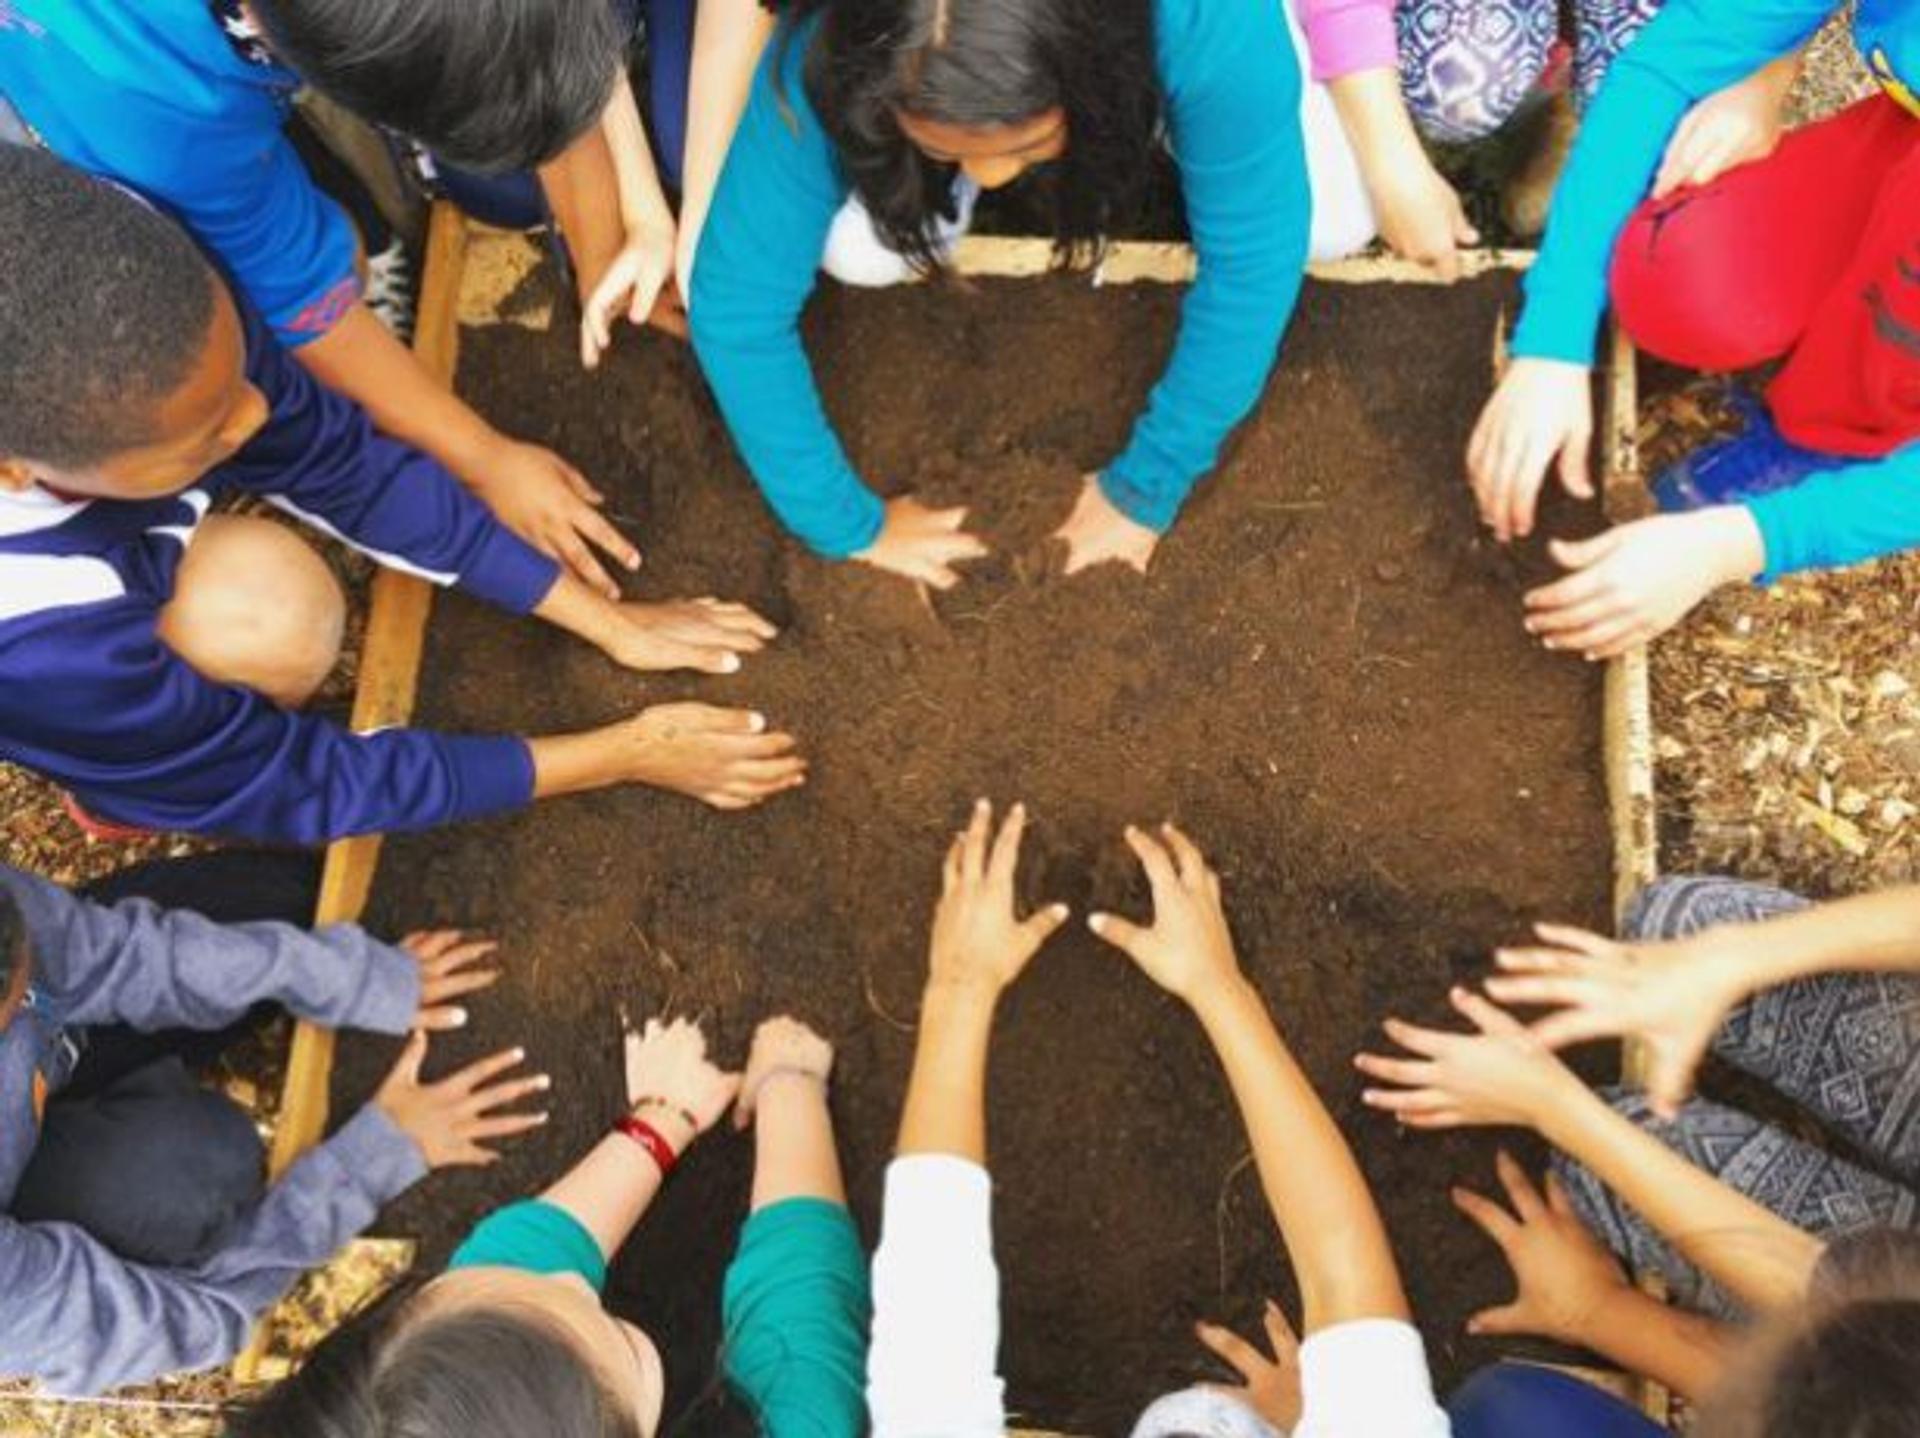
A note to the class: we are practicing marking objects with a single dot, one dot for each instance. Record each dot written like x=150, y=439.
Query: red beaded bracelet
x=648, y=1137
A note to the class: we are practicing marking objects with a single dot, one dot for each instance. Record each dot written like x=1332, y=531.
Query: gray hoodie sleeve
x=81, y=1320
x=136, y=963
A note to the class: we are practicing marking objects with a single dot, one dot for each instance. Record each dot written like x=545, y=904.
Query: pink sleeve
x=1345, y=36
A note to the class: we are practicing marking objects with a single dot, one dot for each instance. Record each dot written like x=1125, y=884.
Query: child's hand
x=1541, y=409
x=1637, y=580
x=631, y=286
x=1728, y=128
x=1420, y=214
x=444, y=956
x=722, y=757
x=1672, y=996
x=1189, y=949
x=783, y=1049
x=548, y=503
x=1563, y=1276
x=705, y=634
x=1500, y=1075
x=923, y=544
x=978, y=942
x=1271, y=1385
x=1098, y=533
x=453, y=1120
x=672, y=1085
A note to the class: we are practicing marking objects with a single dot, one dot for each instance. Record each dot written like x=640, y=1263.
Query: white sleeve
x=1368, y=1379
x=933, y=1369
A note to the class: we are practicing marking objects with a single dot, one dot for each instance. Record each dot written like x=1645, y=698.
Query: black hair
x=105, y=309
x=495, y=1372
x=1844, y=1364
x=978, y=64
x=13, y=940
x=492, y=85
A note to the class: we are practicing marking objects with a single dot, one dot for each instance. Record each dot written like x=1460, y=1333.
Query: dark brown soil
x=1324, y=679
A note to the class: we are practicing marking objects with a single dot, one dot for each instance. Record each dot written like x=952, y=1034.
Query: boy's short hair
x=492, y=85
x=105, y=306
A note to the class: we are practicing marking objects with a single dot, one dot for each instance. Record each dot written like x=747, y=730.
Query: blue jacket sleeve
x=153, y=968
x=1688, y=51
x=759, y=254
x=1842, y=515
x=81, y=1319
x=320, y=459
x=1233, y=98
x=93, y=699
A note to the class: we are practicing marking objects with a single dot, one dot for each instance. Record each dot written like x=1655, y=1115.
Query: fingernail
x=980, y=804
x=544, y=1117
x=458, y=1018
x=757, y=722
x=730, y=664
x=519, y=1054
x=544, y=1081
x=1097, y=922
x=1059, y=911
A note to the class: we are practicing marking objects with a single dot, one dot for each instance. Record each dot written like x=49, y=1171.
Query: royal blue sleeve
x=93, y=699
x=1233, y=100
x=759, y=254
x=1691, y=49
x=320, y=459
x=1842, y=515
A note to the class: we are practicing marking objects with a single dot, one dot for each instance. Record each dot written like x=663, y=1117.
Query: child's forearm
x=946, y=1107
x=1686, y=1352
x=611, y=1188
x=1332, y=1230
x=1750, y=1251
x=728, y=38
x=359, y=358
x=618, y=753
x=794, y=1153
x=643, y=202
x=1877, y=931
x=1373, y=112
x=572, y=606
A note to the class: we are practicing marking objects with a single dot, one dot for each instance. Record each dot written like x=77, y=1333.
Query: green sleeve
x=797, y=1307
x=535, y=1236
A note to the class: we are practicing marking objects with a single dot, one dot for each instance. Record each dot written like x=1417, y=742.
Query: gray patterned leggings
x=1845, y=1047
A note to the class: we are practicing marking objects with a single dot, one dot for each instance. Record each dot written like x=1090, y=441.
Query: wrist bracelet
x=655, y=1101
x=752, y=1096
x=650, y=1139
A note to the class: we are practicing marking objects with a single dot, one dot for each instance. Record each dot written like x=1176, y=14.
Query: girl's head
x=477, y=1353
x=913, y=90
x=1846, y=1365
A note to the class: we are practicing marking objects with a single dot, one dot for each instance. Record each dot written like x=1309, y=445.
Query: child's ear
x=16, y=475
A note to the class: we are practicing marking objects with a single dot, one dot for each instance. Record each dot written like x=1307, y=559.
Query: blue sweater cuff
x=1557, y=323
x=390, y=997
x=1786, y=542
x=511, y=573
x=383, y=1161
x=495, y=773
x=1155, y=506
x=862, y=530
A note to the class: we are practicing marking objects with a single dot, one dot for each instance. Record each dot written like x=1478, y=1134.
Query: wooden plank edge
x=389, y=681
x=1138, y=261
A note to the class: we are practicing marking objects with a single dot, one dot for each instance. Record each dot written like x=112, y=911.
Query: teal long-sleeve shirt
x=1687, y=52
x=1232, y=92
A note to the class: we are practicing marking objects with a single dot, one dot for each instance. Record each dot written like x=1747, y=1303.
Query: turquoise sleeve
x=535, y=1236
x=1688, y=51
x=797, y=1306
x=759, y=254
x=1233, y=105
x=1842, y=515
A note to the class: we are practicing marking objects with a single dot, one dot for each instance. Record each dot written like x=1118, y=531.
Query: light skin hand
x=1672, y=996
x=923, y=544
x=979, y=943
x=1188, y=951
x=1635, y=581
x=671, y=1081
x=1269, y=1386
x=1730, y=127
x=784, y=1050
x=446, y=958
x=639, y=277
x=1420, y=214
x=454, y=1119
x=550, y=504
x=1541, y=411
x=706, y=634
x=722, y=757
x=1098, y=533
x=1500, y=1074
x=1562, y=1275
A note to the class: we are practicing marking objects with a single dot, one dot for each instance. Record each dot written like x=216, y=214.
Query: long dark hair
x=1844, y=1364
x=981, y=63
x=474, y=1373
